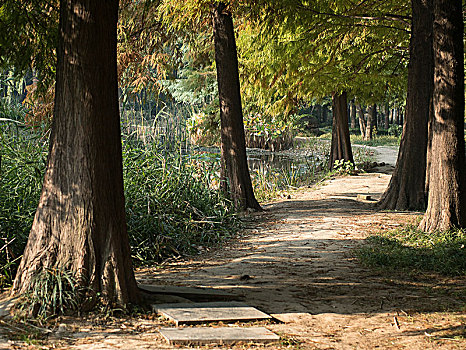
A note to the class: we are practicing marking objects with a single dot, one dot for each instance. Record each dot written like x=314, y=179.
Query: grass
x=378, y=140
x=172, y=209
x=390, y=137
x=413, y=251
x=23, y=157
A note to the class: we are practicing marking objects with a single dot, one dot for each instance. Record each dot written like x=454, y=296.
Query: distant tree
x=191, y=17
x=340, y=148
x=362, y=120
x=80, y=222
x=447, y=178
x=371, y=122
x=304, y=50
x=352, y=114
x=236, y=179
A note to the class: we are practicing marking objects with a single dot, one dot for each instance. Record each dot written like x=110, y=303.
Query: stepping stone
x=192, y=313
x=222, y=335
x=191, y=293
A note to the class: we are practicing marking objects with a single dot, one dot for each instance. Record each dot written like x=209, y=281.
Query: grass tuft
x=410, y=249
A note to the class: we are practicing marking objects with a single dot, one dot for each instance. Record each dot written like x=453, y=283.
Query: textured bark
x=447, y=186
x=341, y=145
x=353, y=115
x=406, y=190
x=80, y=221
x=362, y=121
x=236, y=180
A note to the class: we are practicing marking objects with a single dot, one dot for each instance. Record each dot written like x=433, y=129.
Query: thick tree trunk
x=80, y=222
x=406, y=190
x=353, y=115
x=362, y=121
x=236, y=179
x=447, y=186
x=341, y=145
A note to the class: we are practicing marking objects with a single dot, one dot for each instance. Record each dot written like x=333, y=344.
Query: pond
x=275, y=172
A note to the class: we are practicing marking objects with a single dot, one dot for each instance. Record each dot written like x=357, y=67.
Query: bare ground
x=296, y=262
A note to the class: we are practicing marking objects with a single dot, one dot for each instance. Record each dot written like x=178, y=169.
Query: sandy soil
x=296, y=262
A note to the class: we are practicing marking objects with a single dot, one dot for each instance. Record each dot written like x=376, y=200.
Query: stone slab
x=364, y=197
x=220, y=336
x=191, y=293
x=193, y=313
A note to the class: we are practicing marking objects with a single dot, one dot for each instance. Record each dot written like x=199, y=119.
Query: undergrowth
x=171, y=207
x=23, y=157
x=412, y=250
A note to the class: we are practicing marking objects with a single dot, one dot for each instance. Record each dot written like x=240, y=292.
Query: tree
x=80, y=222
x=235, y=173
x=362, y=120
x=341, y=146
x=406, y=190
x=447, y=179
x=29, y=38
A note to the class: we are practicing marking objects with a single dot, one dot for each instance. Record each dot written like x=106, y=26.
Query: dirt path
x=299, y=266
x=297, y=263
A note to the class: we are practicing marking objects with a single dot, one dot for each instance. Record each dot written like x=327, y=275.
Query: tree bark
x=80, y=222
x=341, y=145
x=447, y=186
x=362, y=122
x=386, y=120
x=236, y=180
x=406, y=190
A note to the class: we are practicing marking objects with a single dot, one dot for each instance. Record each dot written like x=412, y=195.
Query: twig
x=395, y=320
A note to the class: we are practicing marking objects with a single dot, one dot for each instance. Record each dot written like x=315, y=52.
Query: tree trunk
x=353, y=115
x=371, y=120
x=386, y=120
x=362, y=122
x=80, y=223
x=396, y=113
x=318, y=109
x=341, y=145
x=324, y=114
x=447, y=186
x=236, y=180
x=406, y=190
